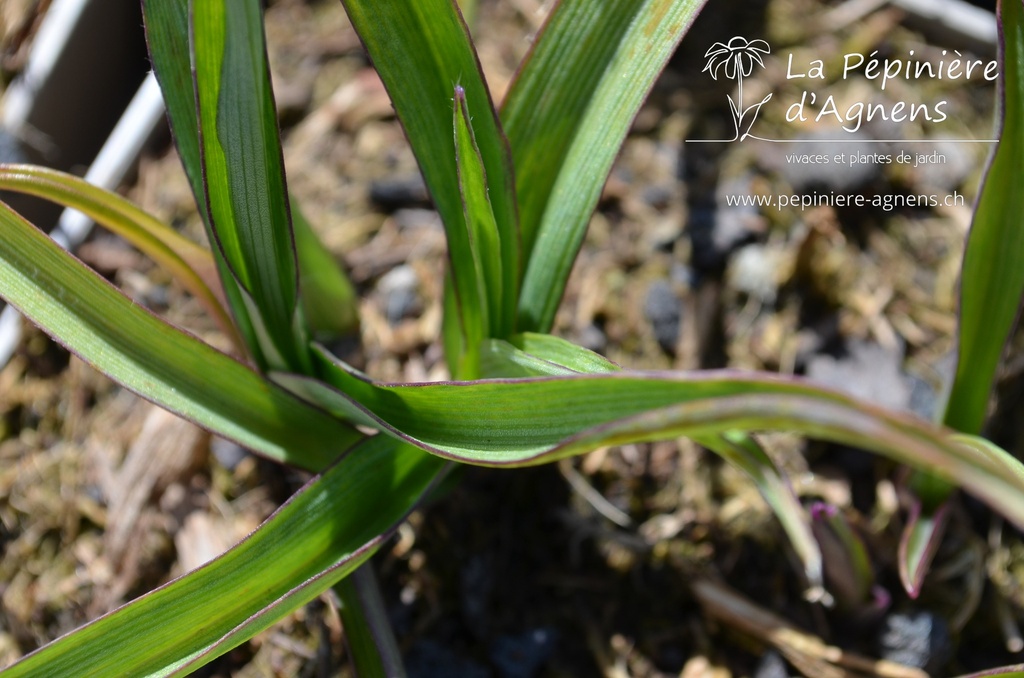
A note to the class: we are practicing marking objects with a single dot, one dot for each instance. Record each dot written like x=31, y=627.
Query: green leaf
x=190, y=264
x=460, y=356
x=566, y=117
x=484, y=263
x=422, y=50
x=848, y=566
x=519, y=422
x=745, y=453
x=501, y=360
x=244, y=174
x=371, y=642
x=545, y=355
x=329, y=300
x=167, y=31
x=918, y=544
x=992, y=277
x=320, y=535
x=991, y=289
x=1015, y=671
x=159, y=362
x=565, y=353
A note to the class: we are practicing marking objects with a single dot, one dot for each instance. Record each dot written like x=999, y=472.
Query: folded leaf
x=480, y=259
x=166, y=23
x=422, y=50
x=918, y=544
x=739, y=449
x=519, y=422
x=745, y=453
x=243, y=173
x=565, y=353
x=848, y=567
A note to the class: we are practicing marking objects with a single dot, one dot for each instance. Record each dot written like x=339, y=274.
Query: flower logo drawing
x=736, y=60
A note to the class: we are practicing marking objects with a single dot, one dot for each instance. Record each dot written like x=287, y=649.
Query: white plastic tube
x=115, y=159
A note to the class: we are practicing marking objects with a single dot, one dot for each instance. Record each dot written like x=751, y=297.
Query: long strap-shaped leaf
x=422, y=50
x=566, y=116
x=320, y=535
x=190, y=264
x=991, y=291
x=992, y=277
x=528, y=421
x=167, y=32
x=243, y=171
x=154, y=359
x=225, y=125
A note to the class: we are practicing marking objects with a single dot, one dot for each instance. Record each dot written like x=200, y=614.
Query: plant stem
x=739, y=95
x=368, y=635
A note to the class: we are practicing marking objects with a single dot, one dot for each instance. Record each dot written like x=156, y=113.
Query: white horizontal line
x=848, y=141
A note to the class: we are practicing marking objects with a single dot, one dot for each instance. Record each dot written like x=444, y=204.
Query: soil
x=524, y=573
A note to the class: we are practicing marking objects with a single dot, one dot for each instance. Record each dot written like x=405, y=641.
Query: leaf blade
x=243, y=173
x=422, y=50
x=520, y=422
x=567, y=115
x=992, y=278
x=544, y=355
x=744, y=452
x=310, y=543
x=329, y=299
x=482, y=228
x=154, y=359
x=167, y=34
x=189, y=263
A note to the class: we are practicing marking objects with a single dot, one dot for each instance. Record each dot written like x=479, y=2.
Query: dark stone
x=395, y=193
x=428, y=659
x=664, y=311
x=475, y=586
x=717, y=229
x=523, y=655
x=400, y=287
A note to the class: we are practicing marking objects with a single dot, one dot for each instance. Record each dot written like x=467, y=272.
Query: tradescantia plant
x=515, y=188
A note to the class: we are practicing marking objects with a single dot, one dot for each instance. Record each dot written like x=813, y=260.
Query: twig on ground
x=808, y=653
